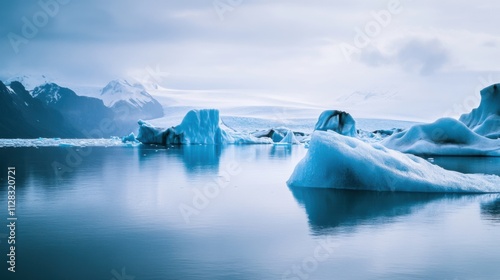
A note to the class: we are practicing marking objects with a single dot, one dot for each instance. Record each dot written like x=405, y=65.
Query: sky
x=406, y=59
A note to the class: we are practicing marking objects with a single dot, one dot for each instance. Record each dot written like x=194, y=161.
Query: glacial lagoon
x=211, y=212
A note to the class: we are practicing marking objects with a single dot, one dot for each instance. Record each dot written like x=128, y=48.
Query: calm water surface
x=148, y=213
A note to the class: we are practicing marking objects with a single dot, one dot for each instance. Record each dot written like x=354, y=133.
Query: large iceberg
x=197, y=127
x=336, y=161
x=338, y=121
x=485, y=120
x=445, y=136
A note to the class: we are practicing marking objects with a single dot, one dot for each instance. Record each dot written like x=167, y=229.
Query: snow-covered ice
x=485, y=120
x=337, y=161
x=447, y=137
x=289, y=138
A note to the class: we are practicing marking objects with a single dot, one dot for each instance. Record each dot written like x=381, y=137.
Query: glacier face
x=337, y=161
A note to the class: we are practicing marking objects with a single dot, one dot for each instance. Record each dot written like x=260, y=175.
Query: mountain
x=130, y=101
x=22, y=116
x=30, y=81
x=87, y=114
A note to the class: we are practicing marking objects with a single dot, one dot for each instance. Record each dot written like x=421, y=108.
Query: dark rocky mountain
x=22, y=116
x=87, y=114
x=49, y=110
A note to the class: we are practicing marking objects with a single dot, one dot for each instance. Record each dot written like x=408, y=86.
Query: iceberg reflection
x=331, y=208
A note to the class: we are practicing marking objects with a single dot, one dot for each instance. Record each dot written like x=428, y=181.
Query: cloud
x=424, y=57
x=287, y=48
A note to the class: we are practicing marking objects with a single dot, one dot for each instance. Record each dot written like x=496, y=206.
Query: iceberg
x=289, y=139
x=338, y=121
x=202, y=127
x=280, y=135
x=485, y=120
x=129, y=138
x=446, y=136
x=340, y=162
x=276, y=134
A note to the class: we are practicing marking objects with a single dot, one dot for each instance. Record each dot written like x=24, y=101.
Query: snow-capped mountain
x=84, y=113
x=132, y=100
x=23, y=116
x=30, y=81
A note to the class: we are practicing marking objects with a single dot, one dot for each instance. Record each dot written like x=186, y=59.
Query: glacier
x=337, y=161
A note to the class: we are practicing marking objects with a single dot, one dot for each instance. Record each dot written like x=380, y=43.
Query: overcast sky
x=414, y=59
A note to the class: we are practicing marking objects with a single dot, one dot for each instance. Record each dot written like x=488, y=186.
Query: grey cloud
x=280, y=46
x=424, y=57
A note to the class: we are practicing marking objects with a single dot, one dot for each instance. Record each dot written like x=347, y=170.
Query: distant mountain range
x=49, y=110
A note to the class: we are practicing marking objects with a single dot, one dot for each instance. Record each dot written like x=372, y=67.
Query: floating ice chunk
x=289, y=138
x=443, y=137
x=485, y=120
x=148, y=134
x=338, y=121
x=336, y=161
x=198, y=127
x=240, y=138
x=129, y=138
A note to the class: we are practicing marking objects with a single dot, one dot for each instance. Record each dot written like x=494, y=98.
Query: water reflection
x=281, y=151
x=55, y=163
x=327, y=209
x=483, y=165
x=491, y=210
x=195, y=158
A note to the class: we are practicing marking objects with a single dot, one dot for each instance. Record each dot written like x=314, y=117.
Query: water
x=114, y=213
